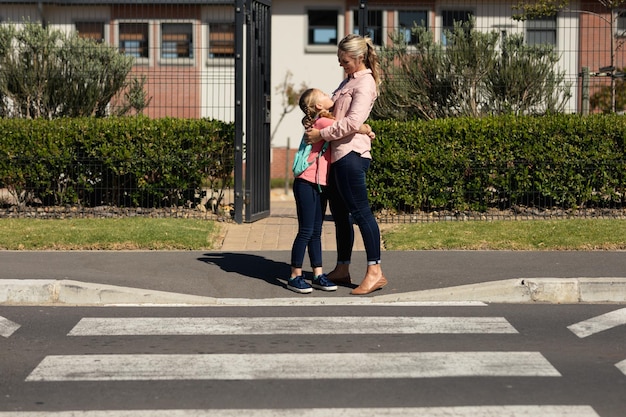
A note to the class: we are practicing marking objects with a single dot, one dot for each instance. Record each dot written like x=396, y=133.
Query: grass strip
x=570, y=234
x=108, y=234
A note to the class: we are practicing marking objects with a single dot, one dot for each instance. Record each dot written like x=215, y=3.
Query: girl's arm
x=313, y=135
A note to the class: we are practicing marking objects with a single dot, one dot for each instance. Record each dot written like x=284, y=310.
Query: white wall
x=314, y=69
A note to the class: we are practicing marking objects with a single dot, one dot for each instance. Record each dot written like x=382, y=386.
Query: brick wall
x=279, y=162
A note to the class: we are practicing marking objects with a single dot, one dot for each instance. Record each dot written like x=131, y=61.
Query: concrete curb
x=77, y=293
x=528, y=290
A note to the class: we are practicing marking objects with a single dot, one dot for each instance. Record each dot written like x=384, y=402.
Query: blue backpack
x=301, y=160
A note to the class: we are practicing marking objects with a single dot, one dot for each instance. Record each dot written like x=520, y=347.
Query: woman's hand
x=312, y=136
x=367, y=130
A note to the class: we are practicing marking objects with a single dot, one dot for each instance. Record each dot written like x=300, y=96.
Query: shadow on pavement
x=252, y=266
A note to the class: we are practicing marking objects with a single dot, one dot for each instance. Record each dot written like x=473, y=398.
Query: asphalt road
x=426, y=360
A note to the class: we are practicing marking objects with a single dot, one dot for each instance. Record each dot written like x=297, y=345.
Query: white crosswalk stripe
x=478, y=411
x=7, y=327
x=95, y=326
x=622, y=366
x=600, y=323
x=291, y=366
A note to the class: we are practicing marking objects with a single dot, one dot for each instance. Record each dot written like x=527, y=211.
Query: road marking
x=144, y=326
x=600, y=323
x=474, y=411
x=7, y=327
x=622, y=366
x=291, y=366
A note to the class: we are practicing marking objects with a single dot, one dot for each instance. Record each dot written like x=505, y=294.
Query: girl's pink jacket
x=317, y=173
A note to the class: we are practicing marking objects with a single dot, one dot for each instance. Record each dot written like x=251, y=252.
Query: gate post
x=239, y=118
x=252, y=109
x=363, y=23
x=585, y=91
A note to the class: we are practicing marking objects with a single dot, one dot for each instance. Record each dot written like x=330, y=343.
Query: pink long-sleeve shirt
x=317, y=172
x=354, y=99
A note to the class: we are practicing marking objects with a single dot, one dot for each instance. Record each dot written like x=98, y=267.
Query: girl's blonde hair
x=308, y=100
x=358, y=46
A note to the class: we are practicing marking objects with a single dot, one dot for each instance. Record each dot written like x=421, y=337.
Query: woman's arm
x=352, y=107
x=313, y=135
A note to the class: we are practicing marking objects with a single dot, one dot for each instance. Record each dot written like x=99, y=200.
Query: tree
x=475, y=74
x=47, y=73
x=538, y=8
x=135, y=97
x=524, y=81
x=290, y=97
x=414, y=84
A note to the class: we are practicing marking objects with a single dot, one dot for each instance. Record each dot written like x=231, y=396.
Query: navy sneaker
x=298, y=284
x=321, y=282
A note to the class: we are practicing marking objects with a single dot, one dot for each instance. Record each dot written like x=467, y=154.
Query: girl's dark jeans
x=311, y=207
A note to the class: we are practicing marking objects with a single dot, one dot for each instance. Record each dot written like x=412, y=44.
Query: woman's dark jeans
x=311, y=207
x=348, y=196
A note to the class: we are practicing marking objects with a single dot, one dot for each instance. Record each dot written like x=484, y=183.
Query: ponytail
x=372, y=61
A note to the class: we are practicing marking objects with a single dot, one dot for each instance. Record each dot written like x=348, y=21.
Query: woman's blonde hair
x=308, y=100
x=358, y=46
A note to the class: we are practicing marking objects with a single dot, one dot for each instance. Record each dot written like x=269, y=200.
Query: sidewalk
x=252, y=264
x=277, y=231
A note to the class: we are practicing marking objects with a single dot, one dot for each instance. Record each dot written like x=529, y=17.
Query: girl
x=309, y=193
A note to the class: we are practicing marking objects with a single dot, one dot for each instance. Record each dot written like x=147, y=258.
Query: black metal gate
x=252, y=113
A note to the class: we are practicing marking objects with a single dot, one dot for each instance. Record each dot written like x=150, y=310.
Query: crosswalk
x=328, y=366
x=470, y=411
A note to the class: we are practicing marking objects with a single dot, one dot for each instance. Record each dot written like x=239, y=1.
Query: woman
x=350, y=161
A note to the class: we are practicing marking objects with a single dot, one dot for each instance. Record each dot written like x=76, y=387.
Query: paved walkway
x=277, y=231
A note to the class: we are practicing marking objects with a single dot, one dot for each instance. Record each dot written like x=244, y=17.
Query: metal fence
x=586, y=39
x=184, y=59
x=179, y=61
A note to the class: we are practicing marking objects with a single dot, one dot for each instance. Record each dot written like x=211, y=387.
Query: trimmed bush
x=129, y=162
x=565, y=161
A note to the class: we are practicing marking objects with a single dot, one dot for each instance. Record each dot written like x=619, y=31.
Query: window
x=91, y=30
x=449, y=18
x=134, y=39
x=407, y=20
x=620, y=24
x=221, y=40
x=322, y=27
x=374, y=29
x=541, y=31
x=176, y=40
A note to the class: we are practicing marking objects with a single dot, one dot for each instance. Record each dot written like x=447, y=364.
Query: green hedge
x=565, y=161
x=458, y=164
x=133, y=162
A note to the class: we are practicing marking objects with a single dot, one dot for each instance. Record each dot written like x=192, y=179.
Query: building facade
x=186, y=49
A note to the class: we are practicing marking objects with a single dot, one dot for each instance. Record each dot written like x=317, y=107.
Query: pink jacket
x=354, y=99
x=317, y=173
